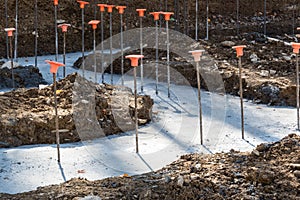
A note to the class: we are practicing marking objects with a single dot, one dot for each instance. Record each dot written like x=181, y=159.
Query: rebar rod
x=56, y=118
x=241, y=96
x=135, y=111
x=199, y=101
x=102, y=48
x=35, y=33
x=141, y=47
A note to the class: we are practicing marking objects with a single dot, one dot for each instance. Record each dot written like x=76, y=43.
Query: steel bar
x=168, y=57
x=56, y=119
x=35, y=33
x=82, y=41
x=297, y=90
x=199, y=101
x=241, y=96
x=141, y=47
x=16, y=33
x=12, y=63
x=135, y=112
x=207, y=21
x=110, y=49
x=6, y=25
x=122, y=49
x=156, y=56
x=196, y=21
x=102, y=48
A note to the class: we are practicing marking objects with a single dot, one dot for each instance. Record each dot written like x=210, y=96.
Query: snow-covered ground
x=174, y=131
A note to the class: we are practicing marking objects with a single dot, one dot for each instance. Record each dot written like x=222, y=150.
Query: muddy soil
x=270, y=171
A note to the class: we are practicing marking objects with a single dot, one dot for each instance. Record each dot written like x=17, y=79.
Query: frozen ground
x=174, y=131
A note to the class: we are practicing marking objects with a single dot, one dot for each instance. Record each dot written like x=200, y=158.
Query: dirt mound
x=27, y=115
x=271, y=171
x=24, y=76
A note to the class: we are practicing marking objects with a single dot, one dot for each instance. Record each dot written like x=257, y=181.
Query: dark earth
x=271, y=171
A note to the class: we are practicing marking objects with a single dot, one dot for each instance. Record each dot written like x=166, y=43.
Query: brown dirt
x=27, y=115
x=271, y=171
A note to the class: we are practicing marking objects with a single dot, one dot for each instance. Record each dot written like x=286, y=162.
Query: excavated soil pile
x=271, y=171
x=24, y=76
x=85, y=110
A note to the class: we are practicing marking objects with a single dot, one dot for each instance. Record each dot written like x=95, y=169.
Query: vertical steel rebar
x=185, y=17
x=102, y=48
x=199, y=101
x=16, y=33
x=168, y=57
x=293, y=19
x=207, y=25
x=135, y=111
x=95, y=58
x=6, y=25
x=141, y=47
x=35, y=33
x=265, y=17
x=82, y=41
x=176, y=12
x=64, y=55
x=12, y=63
x=156, y=56
x=196, y=21
x=241, y=96
x=122, y=50
x=237, y=17
x=110, y=49
x=297, y=90
x=56, y=118
x=56, y=33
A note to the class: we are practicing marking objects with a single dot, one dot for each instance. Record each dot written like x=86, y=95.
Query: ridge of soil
x=270, y=171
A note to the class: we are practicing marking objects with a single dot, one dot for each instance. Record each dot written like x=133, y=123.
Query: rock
x=273, y=72
x=180, y=181
x=255, y=152
x=287, y=58
x=297, y=173
x=227, y=43
x=254, y=58
x=167, y=179
x=262, y=147
x=264, y=73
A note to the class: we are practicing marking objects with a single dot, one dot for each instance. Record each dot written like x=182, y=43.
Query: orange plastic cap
x=102, y=7
x=239, y=50
x=134, y=59
x=55, y=2
x=54, y=66
x=109, y=8
x=155, y=15
x=9, y=31
x=64, y=27
x=197, y=54
x=121, y=9
x=82, y=4
x=141, y=12
x=296, y=47
x=167, y=15
x=94, y=23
